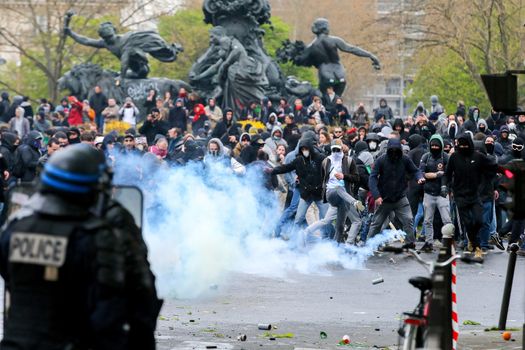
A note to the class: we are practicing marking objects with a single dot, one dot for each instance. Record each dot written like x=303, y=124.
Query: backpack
x=364, y=173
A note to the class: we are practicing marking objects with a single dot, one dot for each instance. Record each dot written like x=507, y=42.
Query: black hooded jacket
x=489, y=181
x=403, y=134
x=178, y=118
x=4, y=108
x=308, y=171
x=432, y=163
x=388, y=179
x=249, y=153
x=417, y=144
x=465, y=173
x=26, y=158
x=472, y=123
x=8, y=148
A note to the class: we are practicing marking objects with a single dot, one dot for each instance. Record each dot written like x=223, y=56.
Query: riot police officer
x=65, y=268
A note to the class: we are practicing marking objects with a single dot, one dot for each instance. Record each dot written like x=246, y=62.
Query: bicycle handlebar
x=431, y=264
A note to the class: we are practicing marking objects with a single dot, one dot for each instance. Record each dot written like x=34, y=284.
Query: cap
x=337, y=144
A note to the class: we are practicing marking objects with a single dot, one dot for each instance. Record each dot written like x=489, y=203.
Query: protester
x=383, y=110
x=433, y=165
x=323, y=155
x=153, y=126
x=307, y=165
x=388, y=184
x=129, y=113
x=19, y=125
x=339, y=176
x=464, y=172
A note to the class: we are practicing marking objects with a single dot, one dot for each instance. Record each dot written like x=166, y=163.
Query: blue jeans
x=300, y=216
x=99, y=120
x=494, y=223
x=420, y=215
x=289, y=213
x=488, y=218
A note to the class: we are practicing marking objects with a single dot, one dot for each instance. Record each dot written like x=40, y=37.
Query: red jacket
x=75, y=113
x=198, y=111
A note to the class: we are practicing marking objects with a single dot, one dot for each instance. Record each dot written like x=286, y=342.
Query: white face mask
x=372, y=145
x=337, y=155
x=512, y=126
x=306, y=153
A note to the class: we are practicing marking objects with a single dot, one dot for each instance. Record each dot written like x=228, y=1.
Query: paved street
x=344, y=303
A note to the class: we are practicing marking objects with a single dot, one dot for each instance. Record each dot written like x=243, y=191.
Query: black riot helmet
x=74, y=173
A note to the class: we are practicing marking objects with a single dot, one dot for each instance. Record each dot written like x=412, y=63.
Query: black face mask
x=446, y=150
x=394, y=153
x=74, y=141
x=435, y=152
x=465, y=151
x=482, y=129
x=490, y=148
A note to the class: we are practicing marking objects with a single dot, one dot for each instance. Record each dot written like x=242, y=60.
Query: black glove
x=444, y=191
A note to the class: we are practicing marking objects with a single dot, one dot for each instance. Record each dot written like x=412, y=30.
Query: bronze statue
x=131, y=48
x=237, y=78
x=323, y=53
x=236, y=68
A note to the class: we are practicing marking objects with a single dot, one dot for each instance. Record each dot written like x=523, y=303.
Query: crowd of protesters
x=362, y=172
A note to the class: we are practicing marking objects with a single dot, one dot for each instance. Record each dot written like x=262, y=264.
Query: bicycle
x=415, y=327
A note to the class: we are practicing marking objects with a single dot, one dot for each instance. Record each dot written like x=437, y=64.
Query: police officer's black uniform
x=65, y=268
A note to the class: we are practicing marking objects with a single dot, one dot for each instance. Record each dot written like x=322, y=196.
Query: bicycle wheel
x=409, y=341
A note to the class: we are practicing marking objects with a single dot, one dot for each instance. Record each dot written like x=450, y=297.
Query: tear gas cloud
x=203, y=222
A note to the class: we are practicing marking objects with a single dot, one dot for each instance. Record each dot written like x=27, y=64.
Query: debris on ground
x=345, y=340
x=470, y=323
x=264, y=326
x=378, y=280
x=278, y=335
x=496, y=329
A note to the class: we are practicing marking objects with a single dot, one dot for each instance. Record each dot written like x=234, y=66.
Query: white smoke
x=203, y=222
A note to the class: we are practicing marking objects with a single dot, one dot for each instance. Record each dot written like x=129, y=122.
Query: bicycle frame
x=415, y=325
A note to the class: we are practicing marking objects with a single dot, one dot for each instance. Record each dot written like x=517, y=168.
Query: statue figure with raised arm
x=131, y=48
x=323, y=53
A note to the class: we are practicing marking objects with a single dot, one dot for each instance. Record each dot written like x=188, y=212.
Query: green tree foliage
x=187, y=27
x=29, y=79
x=447, y=76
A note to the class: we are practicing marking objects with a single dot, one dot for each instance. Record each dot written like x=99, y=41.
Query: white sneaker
x=438, y=244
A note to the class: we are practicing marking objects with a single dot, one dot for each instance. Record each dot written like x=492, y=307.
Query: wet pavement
x=300, y=306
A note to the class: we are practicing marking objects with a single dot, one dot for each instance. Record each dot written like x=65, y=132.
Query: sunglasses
x=338, y=132
x=336, y=150
x=517, y=147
